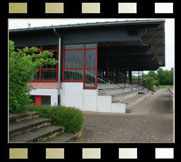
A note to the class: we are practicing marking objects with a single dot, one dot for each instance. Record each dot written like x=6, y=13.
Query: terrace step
x=23, y=116
x=124, y=96
x=27, y=125
x=133, y=100
x=65, y=137
x=39, y=135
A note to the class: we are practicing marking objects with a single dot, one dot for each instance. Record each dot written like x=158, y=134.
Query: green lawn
x=165, y=86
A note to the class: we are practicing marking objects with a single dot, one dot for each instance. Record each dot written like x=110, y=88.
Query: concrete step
x=133, y=100
x=27, y=125
x=128, y=110
x=114, y=92
x=124, y=96
x=22, y=116
x=65, y=137
x=38, y=135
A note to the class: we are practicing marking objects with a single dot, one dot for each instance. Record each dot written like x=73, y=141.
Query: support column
x=130, y=80
x=130, y=76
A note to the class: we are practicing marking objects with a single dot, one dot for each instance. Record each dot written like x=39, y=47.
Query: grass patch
x=69, y=117
x=165, y=86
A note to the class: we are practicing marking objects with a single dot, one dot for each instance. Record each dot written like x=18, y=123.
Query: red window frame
x=38, y=99
x=82, y=68
x=41, y=69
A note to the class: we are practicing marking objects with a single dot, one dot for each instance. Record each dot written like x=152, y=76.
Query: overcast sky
x=169, y=30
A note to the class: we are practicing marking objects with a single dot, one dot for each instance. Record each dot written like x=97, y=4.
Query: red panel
x=44, y=85
x=37, y=100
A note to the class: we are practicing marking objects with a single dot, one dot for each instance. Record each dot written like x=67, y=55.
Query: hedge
x=70, y=118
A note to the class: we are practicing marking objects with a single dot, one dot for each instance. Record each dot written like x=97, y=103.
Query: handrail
x=107, y=81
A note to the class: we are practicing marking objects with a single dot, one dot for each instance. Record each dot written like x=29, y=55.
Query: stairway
x=28, y=127
x=125, y=96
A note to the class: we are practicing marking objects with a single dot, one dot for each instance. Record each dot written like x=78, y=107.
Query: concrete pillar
x=130, y=80
x=130, y=76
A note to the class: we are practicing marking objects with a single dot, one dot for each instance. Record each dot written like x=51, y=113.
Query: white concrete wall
x=89, y=100
x=73, y=95
x=46, y=92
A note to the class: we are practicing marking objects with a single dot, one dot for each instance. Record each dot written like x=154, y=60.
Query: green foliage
x=23, y=64
x=165, y=77
x=148, y=83
x=165, y=86
x=161, y=77
x=70, y=118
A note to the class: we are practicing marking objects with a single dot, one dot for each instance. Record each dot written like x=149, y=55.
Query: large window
x=47, y=72
x=80, y=64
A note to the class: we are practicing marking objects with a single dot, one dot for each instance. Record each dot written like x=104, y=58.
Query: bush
x=148, y=83
x=70, y=118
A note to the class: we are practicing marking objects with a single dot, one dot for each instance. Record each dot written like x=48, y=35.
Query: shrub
x=70, y=118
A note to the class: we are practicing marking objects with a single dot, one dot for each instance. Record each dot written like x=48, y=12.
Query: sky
x=169, y=30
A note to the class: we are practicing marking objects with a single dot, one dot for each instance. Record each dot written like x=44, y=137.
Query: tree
x=23, y=64
x=165, y=77
x=148, y=83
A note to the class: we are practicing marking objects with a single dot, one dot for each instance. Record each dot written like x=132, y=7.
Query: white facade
x=73, y=95
x=47, y=92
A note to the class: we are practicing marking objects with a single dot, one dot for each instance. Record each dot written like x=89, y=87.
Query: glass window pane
x=36, y=76
x=92, y=45
x=90, y=58
x=73, y=75
x=45, y=100
x=90, y=78
x=74, y=59
x=48, y=74
x=74, y=46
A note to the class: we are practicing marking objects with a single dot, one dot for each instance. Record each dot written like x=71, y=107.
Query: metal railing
x=107, y=87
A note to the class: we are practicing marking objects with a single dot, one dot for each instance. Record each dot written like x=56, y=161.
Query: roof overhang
x=126, y=44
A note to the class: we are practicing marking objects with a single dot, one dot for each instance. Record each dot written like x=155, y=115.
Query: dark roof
x=97, y=24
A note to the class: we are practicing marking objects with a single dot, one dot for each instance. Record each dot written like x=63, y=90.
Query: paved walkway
x=151, y=121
